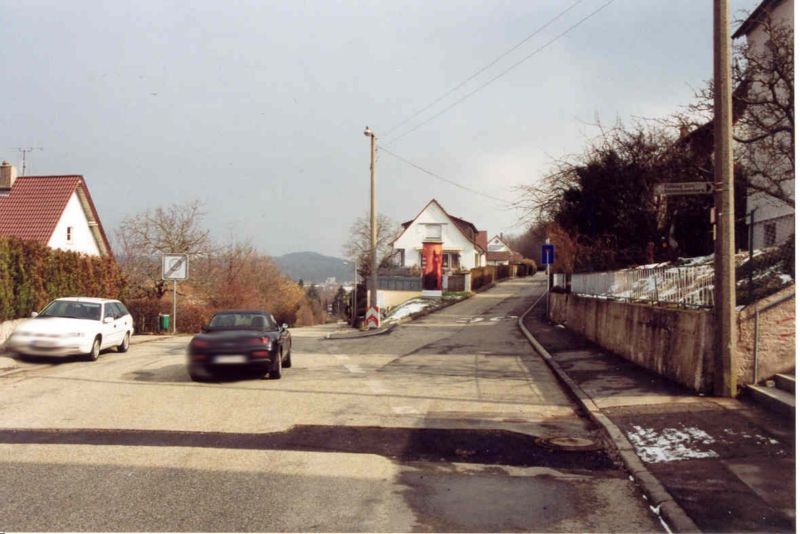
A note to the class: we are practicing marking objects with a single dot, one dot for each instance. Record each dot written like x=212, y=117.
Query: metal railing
x=682, y=286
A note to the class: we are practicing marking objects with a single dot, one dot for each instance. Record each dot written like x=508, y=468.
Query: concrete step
x=785, y=382
x=775, y=399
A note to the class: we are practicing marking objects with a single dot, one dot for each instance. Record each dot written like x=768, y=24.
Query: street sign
x=685, y=188
x=174, y=267
x=373, y=317
x=548, y=254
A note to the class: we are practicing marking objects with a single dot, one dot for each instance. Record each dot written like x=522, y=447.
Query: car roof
x=94, y=300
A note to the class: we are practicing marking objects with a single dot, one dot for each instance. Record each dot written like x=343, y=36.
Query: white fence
x=682, y=286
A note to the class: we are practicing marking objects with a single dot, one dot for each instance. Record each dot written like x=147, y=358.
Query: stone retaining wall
x=776, y=336
x=679, y=344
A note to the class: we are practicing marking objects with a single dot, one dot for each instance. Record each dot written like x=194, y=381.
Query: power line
x=503, y=73
x=438, y=177
x=481, y=70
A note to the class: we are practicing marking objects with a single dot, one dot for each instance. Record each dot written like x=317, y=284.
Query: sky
x=257, y=108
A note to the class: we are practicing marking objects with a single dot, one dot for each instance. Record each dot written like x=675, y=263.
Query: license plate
x=231, y=358
x=43, y=344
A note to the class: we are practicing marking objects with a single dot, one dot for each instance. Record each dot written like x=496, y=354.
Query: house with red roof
x=56, y=211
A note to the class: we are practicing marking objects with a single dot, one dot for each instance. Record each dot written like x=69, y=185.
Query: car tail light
x=199, y=343
x=259, y=341
x=260, y=353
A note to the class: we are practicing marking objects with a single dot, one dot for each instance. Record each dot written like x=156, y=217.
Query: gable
x=434, y=213
x=34, y=206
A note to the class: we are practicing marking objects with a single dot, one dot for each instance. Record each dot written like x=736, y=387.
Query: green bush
x=32, y=274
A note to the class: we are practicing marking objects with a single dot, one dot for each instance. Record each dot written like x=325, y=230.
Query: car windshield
x=72, y=309
x=242, y=320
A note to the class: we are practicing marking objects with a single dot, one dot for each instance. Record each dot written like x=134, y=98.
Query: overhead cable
x=438, y=177
x=503, y=73
x=480, y=71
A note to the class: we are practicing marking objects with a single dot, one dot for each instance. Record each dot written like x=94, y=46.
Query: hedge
x=32, y=274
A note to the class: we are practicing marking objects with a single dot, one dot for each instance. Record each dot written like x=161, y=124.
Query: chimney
x=483, y=239
x=8, y=175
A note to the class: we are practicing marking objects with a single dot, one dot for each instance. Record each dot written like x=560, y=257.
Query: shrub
x=32, y=274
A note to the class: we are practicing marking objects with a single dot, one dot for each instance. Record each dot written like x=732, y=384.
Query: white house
x=500, y=252
x=773, y=218
x=56, y=211
x=463, y=246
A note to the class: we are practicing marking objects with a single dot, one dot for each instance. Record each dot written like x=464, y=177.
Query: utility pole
x=373, y=222
x=724, y=272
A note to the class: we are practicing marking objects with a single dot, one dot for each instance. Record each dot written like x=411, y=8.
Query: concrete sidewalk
x=705, y=463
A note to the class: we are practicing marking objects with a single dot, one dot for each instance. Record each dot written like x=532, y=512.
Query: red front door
x=432, y=266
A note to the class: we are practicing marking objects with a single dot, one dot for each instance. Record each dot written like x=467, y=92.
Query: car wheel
x=126, y=343
x=275, y=374
x=199, y=373
x=94, y=354
x=288, y=362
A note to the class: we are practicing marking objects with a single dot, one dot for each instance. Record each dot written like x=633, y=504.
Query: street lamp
x=373, y=222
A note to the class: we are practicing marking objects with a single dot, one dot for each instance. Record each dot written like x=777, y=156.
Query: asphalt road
x=442, y=425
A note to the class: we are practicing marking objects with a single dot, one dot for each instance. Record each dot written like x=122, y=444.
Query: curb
x=409, y=318
x=138, y=340
x=661, y=502
x=357, y=335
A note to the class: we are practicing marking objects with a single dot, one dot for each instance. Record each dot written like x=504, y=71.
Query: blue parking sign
x=548, y=254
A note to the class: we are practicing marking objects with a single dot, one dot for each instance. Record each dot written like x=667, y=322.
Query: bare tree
x=143, y=237
x=765, y=132
x=358, y=247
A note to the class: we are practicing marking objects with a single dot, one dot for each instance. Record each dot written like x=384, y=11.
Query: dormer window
x=69, y=234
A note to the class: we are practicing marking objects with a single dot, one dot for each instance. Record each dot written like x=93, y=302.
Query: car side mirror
x=284, y=326
x=34, y=314
x=108, y=320
x=204, y=328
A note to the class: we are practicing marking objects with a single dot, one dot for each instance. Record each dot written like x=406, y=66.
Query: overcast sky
x=257, y=108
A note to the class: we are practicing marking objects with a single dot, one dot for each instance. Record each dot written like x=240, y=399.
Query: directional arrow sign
x=174, y=267
x=373, y=318
x=685, y=188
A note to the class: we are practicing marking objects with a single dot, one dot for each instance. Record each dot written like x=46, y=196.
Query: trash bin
x=163, y=322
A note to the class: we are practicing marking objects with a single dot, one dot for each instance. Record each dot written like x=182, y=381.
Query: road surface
x=446, y=424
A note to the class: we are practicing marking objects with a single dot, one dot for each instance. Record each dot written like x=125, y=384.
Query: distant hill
x=313, y=267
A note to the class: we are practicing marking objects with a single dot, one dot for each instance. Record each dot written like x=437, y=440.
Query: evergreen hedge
x=32, y=274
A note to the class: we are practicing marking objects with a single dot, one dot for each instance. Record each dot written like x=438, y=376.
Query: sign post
x=684, y=188
x=548, y=257
x=174, y=267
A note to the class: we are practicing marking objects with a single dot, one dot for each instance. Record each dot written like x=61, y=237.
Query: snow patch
x=407, y=308
x=671, y=444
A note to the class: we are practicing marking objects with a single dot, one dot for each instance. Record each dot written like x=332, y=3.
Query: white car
x=74, y=326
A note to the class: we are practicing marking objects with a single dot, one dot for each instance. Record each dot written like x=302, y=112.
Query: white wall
x=496, y=245
x=452, y=239
x=82, y=239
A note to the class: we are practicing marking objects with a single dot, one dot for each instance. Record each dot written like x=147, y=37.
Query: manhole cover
x=567, y=443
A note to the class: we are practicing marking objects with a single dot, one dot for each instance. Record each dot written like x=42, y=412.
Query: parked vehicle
x=248, y=339
x=74, y=326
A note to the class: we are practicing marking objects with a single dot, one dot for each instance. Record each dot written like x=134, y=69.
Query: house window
x=770, y=234
x=69, y=234
x=402, y=257
x=433, y=231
